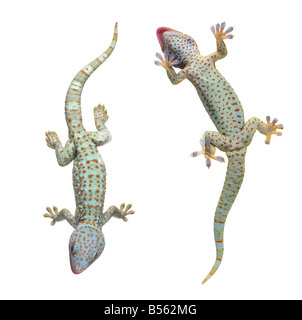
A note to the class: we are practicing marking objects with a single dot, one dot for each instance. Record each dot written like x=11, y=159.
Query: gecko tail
x=218, y=233
x=231, y=187
x=219, y=255
x=73, y=112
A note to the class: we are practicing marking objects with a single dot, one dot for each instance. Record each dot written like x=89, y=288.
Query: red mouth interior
x=159, y=34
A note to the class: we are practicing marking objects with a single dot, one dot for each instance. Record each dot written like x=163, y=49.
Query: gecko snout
x=159, y=33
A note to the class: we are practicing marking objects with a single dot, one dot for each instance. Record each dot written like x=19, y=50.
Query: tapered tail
x=231, y=187
x=73, y=112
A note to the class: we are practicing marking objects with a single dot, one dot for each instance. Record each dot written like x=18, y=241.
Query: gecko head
x=86, y=244
x=177, y=44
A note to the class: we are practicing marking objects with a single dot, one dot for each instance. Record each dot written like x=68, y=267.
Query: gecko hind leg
x=57, y=216
x=254, y=124
x=209, y=142
x=100, y=114
x=272, y=128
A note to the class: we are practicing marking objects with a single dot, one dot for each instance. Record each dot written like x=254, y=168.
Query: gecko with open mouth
x=224, y=108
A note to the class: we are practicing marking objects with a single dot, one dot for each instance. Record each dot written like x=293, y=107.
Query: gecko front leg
x=220, y=35
x=120, y=213
x=167, y=62
x=64, y=214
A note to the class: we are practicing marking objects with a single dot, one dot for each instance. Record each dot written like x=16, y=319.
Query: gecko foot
x=53, y=214
x=208, y=150
x=124, y=210
x=167, y=62
x=219, y=32
x=51, y=139
x=100, y=113
x=271, y=128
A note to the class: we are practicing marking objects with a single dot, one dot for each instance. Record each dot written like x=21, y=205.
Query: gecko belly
x=223, y=107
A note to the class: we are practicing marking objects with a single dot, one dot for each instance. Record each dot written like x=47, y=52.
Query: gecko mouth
x=159, y=33
x=74, y=270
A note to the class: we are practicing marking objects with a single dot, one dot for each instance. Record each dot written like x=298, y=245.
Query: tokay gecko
x=89, y=174
x=224, y=108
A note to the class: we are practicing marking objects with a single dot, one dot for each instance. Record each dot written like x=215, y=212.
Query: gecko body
x=87, y=241
x=224, y=108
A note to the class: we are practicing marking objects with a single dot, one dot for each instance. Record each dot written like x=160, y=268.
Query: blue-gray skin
x=89, y=173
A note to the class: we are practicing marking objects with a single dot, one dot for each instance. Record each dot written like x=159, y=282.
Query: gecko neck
x=91, y=223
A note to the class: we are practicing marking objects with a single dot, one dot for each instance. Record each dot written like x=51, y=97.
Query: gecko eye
x=72, y=248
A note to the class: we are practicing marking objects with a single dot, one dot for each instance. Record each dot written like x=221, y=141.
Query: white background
x=167, y=248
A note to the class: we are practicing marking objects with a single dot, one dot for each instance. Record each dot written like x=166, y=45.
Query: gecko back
x=87, y=241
